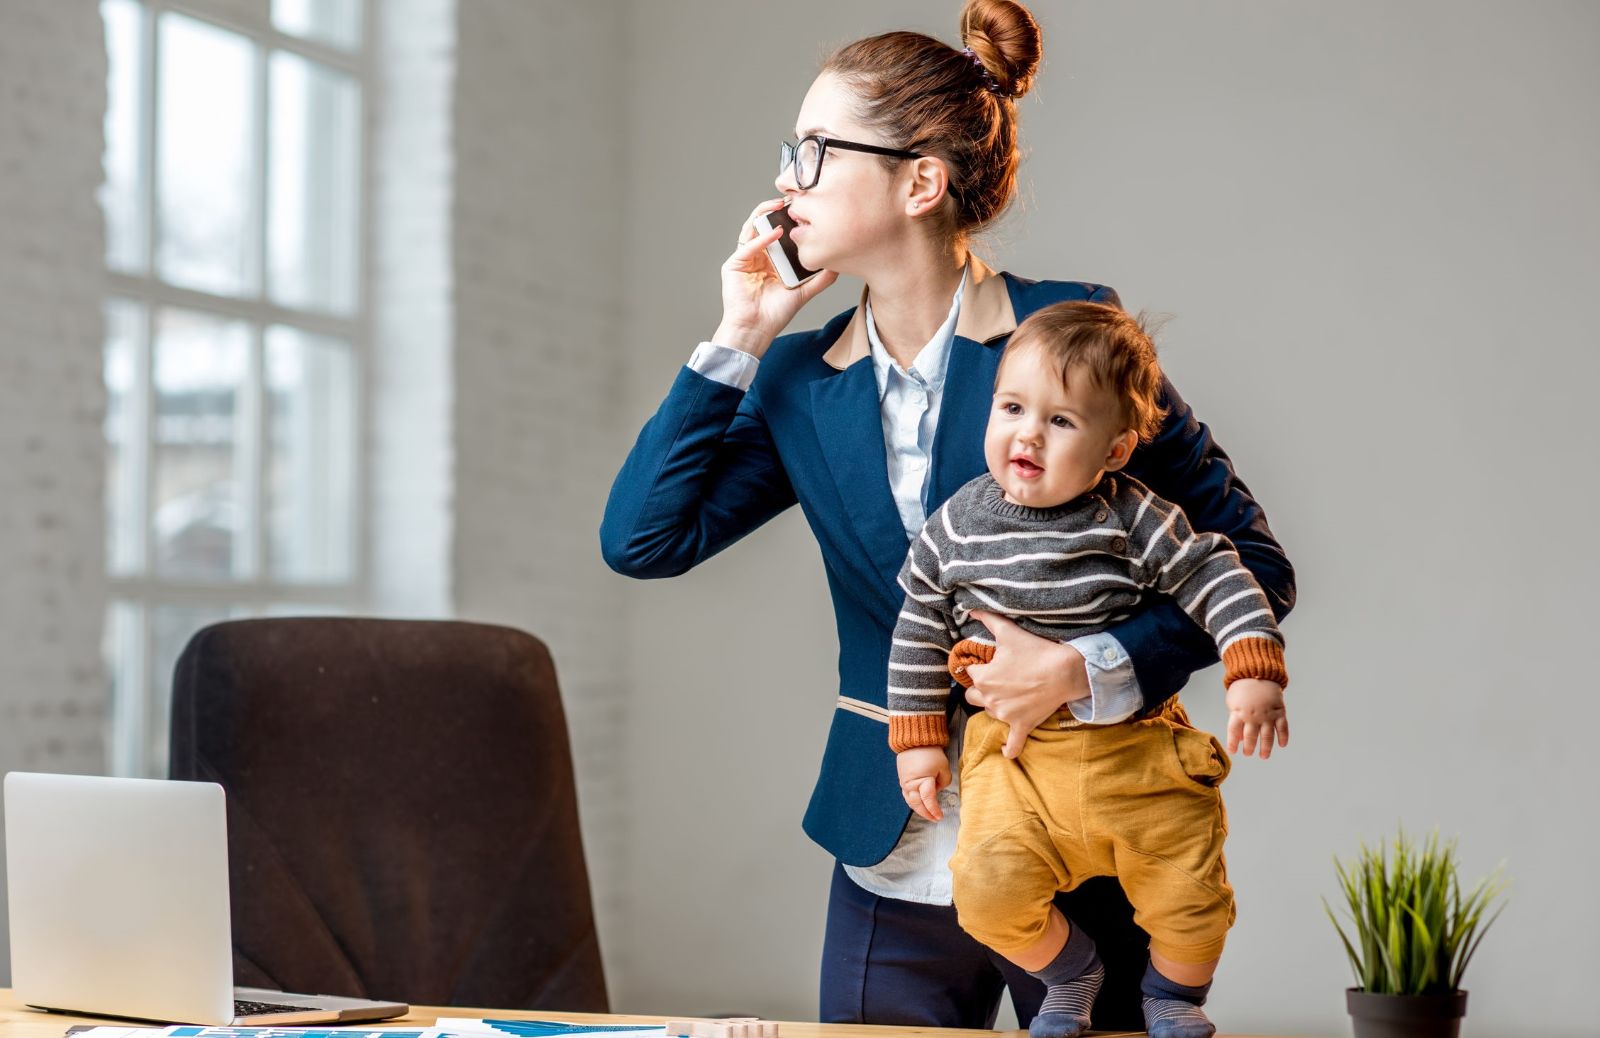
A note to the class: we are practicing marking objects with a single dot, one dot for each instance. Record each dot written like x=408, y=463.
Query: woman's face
x=856, y=210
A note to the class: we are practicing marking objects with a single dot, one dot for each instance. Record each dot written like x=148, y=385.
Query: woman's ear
x=1121, y=449
x=928, y=186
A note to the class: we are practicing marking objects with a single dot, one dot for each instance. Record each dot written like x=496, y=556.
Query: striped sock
x=1065, y=1010
x=1072, y=980
x=1172, y=1010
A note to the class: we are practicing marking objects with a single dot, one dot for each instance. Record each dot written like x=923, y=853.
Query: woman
x=904, y=148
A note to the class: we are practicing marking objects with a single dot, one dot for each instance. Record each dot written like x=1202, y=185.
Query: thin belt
x=1060, y=720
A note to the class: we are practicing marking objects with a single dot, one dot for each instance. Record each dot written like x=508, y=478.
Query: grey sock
x=1072, y=980
x=1172, y=1010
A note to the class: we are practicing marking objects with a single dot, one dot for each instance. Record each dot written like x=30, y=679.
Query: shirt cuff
x=1114, y=693
x=733, y=368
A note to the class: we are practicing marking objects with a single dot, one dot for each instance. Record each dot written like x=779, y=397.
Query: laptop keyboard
x=244, y=1008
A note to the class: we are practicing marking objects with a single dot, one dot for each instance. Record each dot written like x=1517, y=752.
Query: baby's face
x=1048, y=442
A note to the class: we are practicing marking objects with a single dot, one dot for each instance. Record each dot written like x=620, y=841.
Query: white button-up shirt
x=909, y=400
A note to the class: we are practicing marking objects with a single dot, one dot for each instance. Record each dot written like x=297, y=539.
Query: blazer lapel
x=850, y=428
x=957, y=454
x=988, y=317
x=846, y=410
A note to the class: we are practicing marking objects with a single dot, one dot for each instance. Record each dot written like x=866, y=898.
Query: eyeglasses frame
x=792, y=151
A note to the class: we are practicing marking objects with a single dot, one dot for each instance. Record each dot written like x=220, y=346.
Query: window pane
x=203, y=159
x=334, y=22
x=124, y=438
x=171, y=627
x=120, y=196
x=316, y=138
x=123, y=651
x=310, y=388
x=199, y=375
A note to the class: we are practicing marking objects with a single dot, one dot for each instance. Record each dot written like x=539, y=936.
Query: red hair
x=960, y=106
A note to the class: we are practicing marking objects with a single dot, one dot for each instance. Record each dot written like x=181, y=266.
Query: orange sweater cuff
x=907, y=731
x=1254, y=658
x=964, y=654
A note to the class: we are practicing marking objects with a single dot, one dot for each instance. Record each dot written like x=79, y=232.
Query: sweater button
x=1100, y=516
x=1119, y=544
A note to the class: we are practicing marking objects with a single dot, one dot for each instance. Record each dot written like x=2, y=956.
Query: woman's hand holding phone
x=756, y=305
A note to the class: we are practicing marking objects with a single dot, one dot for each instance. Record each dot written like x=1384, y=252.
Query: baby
x=1054, y=539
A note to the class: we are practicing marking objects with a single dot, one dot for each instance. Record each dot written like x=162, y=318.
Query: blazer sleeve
x=703, y=473
x=1185, y=465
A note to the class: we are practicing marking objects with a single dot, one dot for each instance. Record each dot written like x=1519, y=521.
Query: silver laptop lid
x=119, y=896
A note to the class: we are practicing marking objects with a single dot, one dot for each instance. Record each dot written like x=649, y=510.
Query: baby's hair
x=1112, y=346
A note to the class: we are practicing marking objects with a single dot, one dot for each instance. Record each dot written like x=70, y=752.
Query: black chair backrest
x=402, y=815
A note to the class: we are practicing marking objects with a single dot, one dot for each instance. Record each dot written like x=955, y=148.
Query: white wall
x=410, y=376
x=536, y=240
x=52, y=456
x=498, y=234
x=1375, y=226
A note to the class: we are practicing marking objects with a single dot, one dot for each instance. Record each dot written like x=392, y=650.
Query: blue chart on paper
x=446, y=1028
x=280, y=1032
x=552, y=1029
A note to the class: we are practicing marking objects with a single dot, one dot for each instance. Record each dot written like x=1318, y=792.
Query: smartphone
x=785, y=258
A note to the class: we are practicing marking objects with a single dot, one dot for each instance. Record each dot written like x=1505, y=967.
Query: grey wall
x=1375, y=227
x=536, y=239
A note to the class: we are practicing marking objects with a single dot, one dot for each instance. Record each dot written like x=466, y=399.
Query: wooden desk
x=16, y=1021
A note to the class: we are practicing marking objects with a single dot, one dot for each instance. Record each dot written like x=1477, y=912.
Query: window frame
x=141, y=698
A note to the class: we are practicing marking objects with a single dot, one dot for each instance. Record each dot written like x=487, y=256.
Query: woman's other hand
x=1029, y=679
x=756, y=306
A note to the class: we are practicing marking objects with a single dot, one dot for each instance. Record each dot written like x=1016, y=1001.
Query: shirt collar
x=986, y=315
x=930, y=363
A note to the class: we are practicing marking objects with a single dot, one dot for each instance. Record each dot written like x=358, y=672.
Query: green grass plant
x=1412, y=930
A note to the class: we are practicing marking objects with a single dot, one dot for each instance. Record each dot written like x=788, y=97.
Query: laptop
x=119, y=906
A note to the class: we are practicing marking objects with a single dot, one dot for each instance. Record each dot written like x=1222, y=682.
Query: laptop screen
x=119, y=896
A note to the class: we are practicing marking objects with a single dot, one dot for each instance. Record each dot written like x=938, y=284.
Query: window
x=236, y=329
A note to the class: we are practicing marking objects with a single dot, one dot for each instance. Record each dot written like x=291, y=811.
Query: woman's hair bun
x=1006, y=39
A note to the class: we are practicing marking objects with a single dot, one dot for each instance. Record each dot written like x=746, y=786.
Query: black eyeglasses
x=806, y=157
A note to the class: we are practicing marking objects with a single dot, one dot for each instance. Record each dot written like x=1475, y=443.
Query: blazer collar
x=986, y=313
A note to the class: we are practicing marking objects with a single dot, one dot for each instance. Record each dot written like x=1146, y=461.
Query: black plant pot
x=1406, y=1016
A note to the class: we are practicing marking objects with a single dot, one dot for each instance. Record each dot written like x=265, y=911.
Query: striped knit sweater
x=1061, y=573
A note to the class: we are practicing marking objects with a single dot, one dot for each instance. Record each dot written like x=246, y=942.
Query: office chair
x=402, y=816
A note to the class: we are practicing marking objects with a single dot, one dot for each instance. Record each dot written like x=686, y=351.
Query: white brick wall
x=497, y=357
x=409, y=374
x=537, y=244
x=52, y=458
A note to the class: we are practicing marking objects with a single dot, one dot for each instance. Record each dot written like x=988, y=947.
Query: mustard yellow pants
x=1136, y=800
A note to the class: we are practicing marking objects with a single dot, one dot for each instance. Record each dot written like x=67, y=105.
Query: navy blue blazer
x=714, y=463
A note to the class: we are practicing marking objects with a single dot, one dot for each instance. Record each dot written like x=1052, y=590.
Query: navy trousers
x=886, y=961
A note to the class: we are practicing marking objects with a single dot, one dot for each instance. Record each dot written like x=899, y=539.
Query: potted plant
x=1413, y=934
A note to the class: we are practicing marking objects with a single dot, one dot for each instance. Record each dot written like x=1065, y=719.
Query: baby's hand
x=924, y=770
x=1255, y=714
